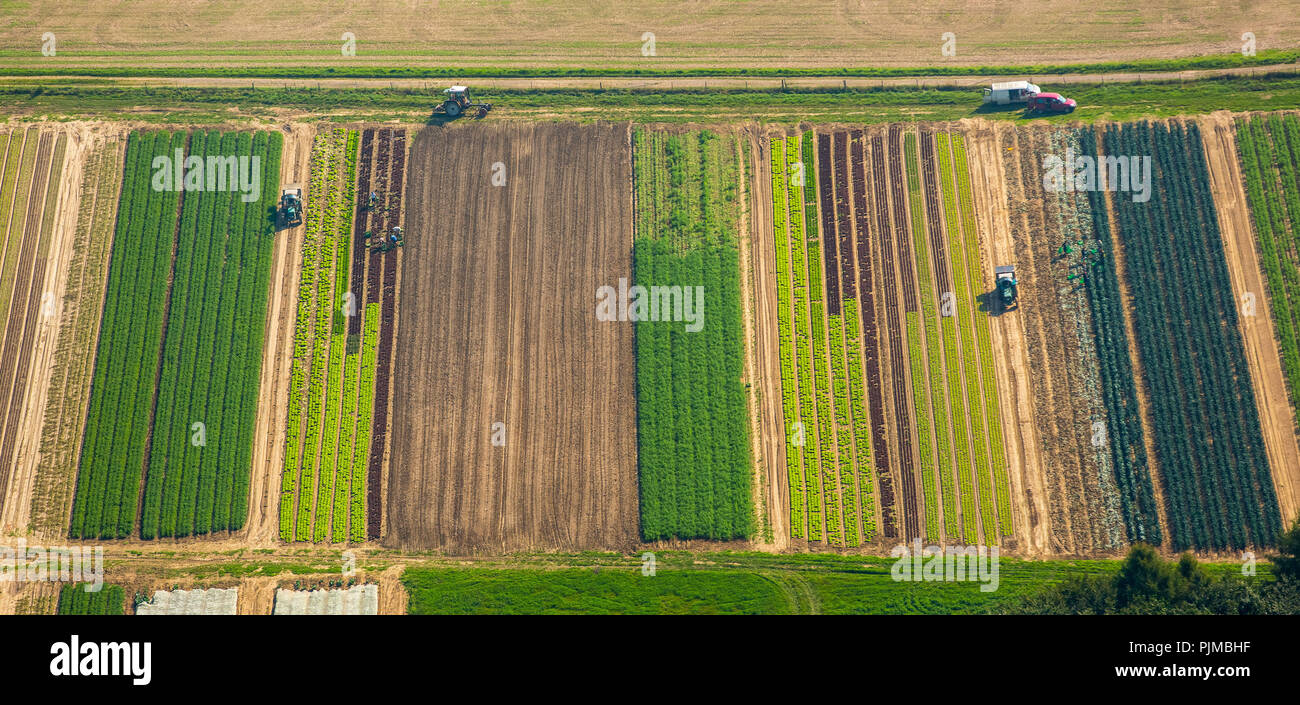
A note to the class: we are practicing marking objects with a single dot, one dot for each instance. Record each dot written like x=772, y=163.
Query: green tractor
x=1005, y=275
x=290, y=211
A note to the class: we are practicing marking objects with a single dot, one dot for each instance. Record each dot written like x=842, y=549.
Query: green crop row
x=824, y=401
x=216, y=252
x=223, y=265
x=957, y=404
x=692, y=407
x=1205, y=423
x=365, y=412
x=311, y=246
x=109, y=599
x=789, y=392
x=800, y=210
x=111, y=457
x=320, y=491
x=861, y=425
x=965, y=325
x=338, y=224
x=923, y=398
x=319, y=227
x=1268, y=153
x=844, y=429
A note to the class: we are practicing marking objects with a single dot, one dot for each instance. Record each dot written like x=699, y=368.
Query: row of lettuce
x=323, y=491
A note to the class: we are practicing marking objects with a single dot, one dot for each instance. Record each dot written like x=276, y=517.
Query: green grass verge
x=1112, y=101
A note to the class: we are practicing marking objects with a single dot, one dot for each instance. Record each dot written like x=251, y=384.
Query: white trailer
x=1010, y=92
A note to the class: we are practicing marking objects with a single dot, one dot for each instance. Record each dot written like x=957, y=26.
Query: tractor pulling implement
x=458, y=102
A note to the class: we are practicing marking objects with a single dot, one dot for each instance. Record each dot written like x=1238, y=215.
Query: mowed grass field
x=734, y=583
x=569, y=33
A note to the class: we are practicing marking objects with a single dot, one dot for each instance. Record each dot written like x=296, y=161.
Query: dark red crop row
x=391, y=165
x=931, y=184
x=361, y=222
x=870, y=334
x=903, y=246
x=824, y=192
x=843, y=217
x=893, y=329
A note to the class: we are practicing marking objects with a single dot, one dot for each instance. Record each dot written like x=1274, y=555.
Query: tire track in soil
x=762, y=355
x=1018, y=331
x=1036, y=305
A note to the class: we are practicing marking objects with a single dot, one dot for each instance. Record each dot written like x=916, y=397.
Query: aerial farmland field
x=859, y=308
x=514, y=407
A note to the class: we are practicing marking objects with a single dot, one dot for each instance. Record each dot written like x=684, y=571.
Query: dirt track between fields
x=1011, y=362
x=668, y=84
x=762, y=356
x=1277, y=418
x=498, y=327
x=262, y=527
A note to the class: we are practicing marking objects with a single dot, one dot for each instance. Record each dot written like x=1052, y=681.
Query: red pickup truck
x=1050, y=103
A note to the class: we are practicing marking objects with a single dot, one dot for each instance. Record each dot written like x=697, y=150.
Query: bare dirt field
x=1275, y=413
x=500, y=343
x=571, y=33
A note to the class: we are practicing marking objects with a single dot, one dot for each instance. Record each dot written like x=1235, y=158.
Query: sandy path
x=273, y=395
x=1011, y=360
x=762, y=356
x=1277, y=419
x=256, y=596
x=18, y=496
x=392, y=594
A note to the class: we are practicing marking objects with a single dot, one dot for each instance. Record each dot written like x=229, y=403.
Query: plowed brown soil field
x=498, y=327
